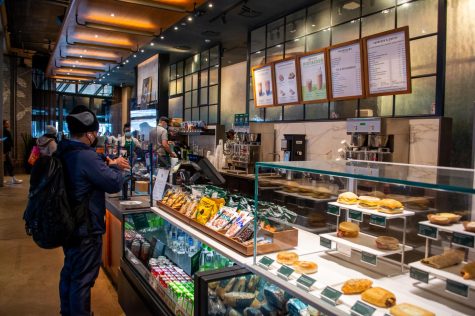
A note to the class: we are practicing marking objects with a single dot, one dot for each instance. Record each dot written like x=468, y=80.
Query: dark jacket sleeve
x=103, y=177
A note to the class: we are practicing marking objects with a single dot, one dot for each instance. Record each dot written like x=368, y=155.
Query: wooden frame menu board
x=346, y=71
x=263, y=85
x=313, y=76
x=287, y=88
x=387, y=63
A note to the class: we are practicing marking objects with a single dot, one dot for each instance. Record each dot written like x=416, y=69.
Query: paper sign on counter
x=160, y=184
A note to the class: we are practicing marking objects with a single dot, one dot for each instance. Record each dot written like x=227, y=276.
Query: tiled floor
x=29, y=275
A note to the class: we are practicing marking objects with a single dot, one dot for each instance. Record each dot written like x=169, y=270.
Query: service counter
x=112, y=239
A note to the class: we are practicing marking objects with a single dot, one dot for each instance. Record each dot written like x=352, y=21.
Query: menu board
x=286, y=81
x=388, y=63
x=263, y=86
x=313, y=77
x=346, y=71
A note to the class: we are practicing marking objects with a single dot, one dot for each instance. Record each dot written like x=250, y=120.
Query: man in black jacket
x=7, y=148
x=88, y=176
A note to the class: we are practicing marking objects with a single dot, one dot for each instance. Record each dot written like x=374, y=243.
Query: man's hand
x=120, y=162
x=173, y=155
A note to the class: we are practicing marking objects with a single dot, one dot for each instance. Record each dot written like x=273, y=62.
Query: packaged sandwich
x=239, y=224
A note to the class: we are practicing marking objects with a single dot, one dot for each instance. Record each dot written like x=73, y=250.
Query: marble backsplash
x=324, y=139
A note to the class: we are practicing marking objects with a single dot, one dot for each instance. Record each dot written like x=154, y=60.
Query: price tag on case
x=369, y=258
x=331, y=295
x=362, y=309
x=356, y=215
x=377, y=220
x=463, y=240
x=265, y=262
x=305, y=282
x=333, y=210
x=324, y=242
x=428, y=231
x=419, y=275
x=285, y=272
x=457, y=288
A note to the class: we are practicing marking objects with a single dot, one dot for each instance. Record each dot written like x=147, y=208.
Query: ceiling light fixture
x=108, y=74
x=112, y=15
x=190, y=18
x=210, y=5
x=152, y=43
x=176, y=28
x=127, y=61
x=80, y=56
x=135, y=56
x=142, y=51
x=96, y=36
x=162, y=37
x=207, y=40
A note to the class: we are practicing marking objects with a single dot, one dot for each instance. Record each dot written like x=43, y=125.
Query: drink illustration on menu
x=263, y=88
x=313, y=77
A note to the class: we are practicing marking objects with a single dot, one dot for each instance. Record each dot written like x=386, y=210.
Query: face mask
x=128, y=134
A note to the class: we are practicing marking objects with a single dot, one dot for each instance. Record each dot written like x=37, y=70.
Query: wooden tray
x=282, y=240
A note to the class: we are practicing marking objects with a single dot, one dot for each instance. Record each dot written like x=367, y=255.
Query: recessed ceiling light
x=385, y=11
x=142, y=51
x=210, y=5
x=69, y=73
x=123, y=63
x=127, y=61
x=118, y=67
x=313, y=25
x=108, y=74
x=100, y=79
x=279, y=45
x=96, y=36
x=80, y=56
x=112, y=15
x=152, y=43
x=207, y=40
x=93, y=82
x=297, y=39
x=135, y=56
x=74, y=66
x=162, y=37
x=190, y=18
x=85, y=50
x=258, y=52
x=183, y=23
x=176, y=28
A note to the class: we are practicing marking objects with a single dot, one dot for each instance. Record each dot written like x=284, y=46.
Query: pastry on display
x=449, y=258
x=469, y=226
x=356, y=286
x=348, y=229
x=370, y=202
x=287, y=257
x=406, y=309
x=348, y=198
x=307, y=267
x=416, y=203
x=468, y=271
x=443, y=218
x=390, y=206
x=321, y=193
x=379, y=297
x=387, y=243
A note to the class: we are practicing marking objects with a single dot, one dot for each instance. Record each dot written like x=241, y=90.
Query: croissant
x=447, y=259
x=468, y=271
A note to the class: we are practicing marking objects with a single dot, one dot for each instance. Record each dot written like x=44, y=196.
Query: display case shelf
x=449, y=273
x=367, y=211
x=366, y=243
x=457, y=228
x=307, y=197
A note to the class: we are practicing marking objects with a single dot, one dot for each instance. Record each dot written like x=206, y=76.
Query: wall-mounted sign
x=286, y=83
x=346, y=71
x=313, y=76
x=387, y=62
x=263, y=86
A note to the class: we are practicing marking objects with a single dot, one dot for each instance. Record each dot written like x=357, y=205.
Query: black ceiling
x=35, y=24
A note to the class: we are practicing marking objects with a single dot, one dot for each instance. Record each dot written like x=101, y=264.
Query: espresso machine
x=244, y=152
x=377, y=139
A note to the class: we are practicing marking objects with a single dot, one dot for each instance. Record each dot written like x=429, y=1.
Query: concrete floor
x=29, y=275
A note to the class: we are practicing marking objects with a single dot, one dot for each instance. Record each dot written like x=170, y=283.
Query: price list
x=345, y=64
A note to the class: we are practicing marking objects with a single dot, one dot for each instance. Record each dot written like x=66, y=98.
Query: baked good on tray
x=469, y=226
x=449, y=258
x=406, y=309
x=287, y=257
x=416, y=203
x=443, y=218
x=368, y=201
x=307, y=267
x=390, y=206
x=348, y=229
x=348, y=198
x=468, y=271
x=387, y=243
x=356, y=286
x=379, y=297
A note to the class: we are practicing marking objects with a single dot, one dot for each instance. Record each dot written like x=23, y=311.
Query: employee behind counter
x=159, y=137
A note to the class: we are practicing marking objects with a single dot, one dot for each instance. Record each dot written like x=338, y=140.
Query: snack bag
x=205, y=210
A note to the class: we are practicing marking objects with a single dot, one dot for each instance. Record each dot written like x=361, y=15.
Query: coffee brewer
x=377, y=139
x=293, y=146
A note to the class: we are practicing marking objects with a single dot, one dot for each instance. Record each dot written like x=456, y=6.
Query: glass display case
x=177, y=269
x=372, y=238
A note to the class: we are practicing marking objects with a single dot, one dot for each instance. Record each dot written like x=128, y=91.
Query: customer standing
x=87, y=177
x=48, y=143
x=7, y=148
x=159, y=137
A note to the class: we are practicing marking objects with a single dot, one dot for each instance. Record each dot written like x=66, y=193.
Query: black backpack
x=49, y=217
